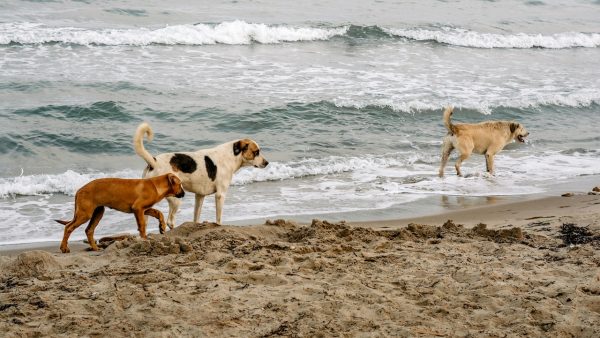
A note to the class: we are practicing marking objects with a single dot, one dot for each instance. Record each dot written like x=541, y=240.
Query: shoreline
x=419, y=207
x=506, y=213
x=495, y=212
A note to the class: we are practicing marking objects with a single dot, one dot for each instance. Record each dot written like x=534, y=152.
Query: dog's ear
x=173, y=180
x=513, y=127
x=239, y=146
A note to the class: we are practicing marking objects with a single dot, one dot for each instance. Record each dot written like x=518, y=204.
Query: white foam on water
x=469, y=38
x=581, y=98
x=240, y=32
x=65, y=183
x=523, y=167
x=232, y=33
x=312, y=167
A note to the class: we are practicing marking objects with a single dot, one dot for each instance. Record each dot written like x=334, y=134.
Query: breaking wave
x=412, y=173
x=240, y=33
x=469, y=38
x=231, y=33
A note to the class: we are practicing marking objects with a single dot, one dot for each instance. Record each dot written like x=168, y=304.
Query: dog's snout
x=181, y=194
x=266, y=163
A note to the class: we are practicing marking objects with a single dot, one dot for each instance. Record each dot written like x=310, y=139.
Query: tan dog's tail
x=138, y=143
x=447, y=122
x=62, y=222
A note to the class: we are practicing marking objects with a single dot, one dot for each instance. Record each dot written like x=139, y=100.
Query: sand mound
x=38, y=264
x=155, y=245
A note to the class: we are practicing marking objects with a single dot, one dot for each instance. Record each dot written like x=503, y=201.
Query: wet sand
x=511, y=275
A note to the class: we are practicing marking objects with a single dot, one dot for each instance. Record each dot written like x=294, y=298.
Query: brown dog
x=135, y=196
x=486, y=138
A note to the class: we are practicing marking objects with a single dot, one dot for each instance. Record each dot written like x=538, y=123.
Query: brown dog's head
x=250, y=153
x=175, y=188
x=518, y=132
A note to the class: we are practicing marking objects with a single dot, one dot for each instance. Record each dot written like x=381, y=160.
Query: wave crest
x=69, y=181
x=233, y=33
x=468, y=38
x=65, y=183
x=242, y=33
x=578, y=99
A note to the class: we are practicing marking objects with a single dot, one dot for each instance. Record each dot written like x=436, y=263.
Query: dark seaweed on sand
x=573, y=234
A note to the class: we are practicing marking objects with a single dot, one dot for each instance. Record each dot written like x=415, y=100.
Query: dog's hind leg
x=89, y=230
x=80, y=218
x=174, y=204
x=159, y=216
x=198, y=207
x=461, y=158
x=447, y=148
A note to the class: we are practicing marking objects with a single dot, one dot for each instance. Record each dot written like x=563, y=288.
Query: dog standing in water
x=135, y=196
x=486, y=138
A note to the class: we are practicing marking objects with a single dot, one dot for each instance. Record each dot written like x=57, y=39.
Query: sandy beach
x=494, y=271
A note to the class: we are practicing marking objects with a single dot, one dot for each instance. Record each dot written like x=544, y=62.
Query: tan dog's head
x=250, y=153
x=175, y=188
x=518, y=132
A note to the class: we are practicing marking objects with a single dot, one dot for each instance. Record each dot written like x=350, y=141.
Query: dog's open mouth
x=521, y=138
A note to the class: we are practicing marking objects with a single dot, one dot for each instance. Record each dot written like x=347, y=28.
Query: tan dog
x=135, y=196
x=203, y=172
x=486, y=138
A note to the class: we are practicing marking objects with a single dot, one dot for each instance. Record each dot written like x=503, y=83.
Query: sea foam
x=240, y=33
x=581, y=98
x=399, y=167
x=63, y=183
x=233, y=33
x=68, y=182
x=469, y=38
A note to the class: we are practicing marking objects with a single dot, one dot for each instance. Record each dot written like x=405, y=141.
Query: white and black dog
x=202, y=172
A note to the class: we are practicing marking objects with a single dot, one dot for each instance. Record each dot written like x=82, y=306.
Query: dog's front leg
x=198, y=207
x=219, y=201
x=489, y=163
x=141, y=222
x=159, y=216
x=174, y=204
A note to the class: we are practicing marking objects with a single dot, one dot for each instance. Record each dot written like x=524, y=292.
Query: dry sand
x=513, y=278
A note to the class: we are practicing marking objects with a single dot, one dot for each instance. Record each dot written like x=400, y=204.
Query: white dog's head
x=250, y=153
x=518, y=131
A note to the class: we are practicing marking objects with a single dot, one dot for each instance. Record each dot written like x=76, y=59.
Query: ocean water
x=344, y=97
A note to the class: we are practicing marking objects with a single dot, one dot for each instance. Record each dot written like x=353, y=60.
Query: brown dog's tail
x=447, y=114
x=62, y=222
x=138, y=143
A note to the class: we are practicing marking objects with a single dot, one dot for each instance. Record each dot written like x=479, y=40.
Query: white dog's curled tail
x=138, y=143
x=447, y=122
